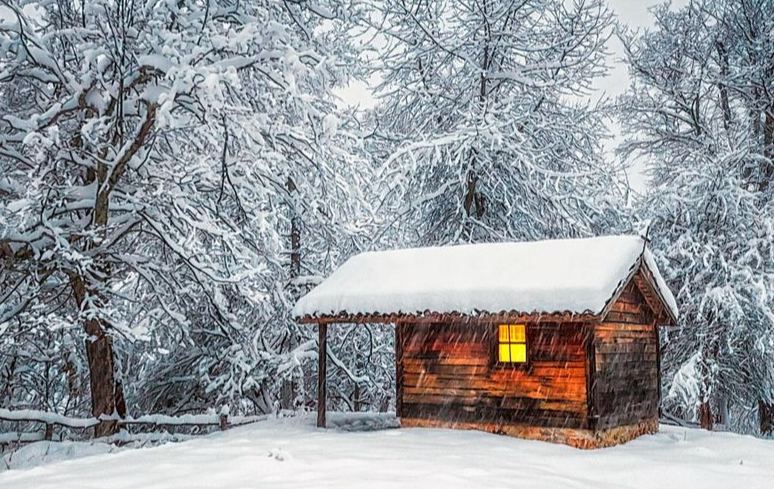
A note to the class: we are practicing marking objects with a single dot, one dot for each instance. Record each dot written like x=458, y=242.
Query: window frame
x=494, y=348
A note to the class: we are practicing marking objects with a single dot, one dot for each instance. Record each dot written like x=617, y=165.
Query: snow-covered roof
x=573, y=276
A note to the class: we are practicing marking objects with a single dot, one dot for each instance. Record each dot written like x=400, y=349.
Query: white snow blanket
x=292, y=453
x=46, y=452
x=569, y=276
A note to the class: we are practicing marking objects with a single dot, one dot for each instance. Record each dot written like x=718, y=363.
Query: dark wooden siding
x=448, y=375
x=626, y=384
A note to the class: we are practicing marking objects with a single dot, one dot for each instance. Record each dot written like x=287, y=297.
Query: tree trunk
x=107, y=396
x=766, y=416
x=768, y=148
x=724, y=103
x=751, y=170
x=356, y=405
x=8, y=389
x=708, y=356
x=723, y=414
x=289, y=388
x=706, y=420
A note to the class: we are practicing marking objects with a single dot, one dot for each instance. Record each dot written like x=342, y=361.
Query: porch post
x=398, y=369
x=322, y=331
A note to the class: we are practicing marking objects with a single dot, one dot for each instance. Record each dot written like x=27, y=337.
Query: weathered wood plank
x=628, y=318
x=461, y=394
x=626, y=362
x=529, y=414
x=448, y=369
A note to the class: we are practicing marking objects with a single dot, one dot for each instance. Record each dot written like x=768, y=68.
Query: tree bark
x=708, y=356
x=724, y=103
x=749, y=172
x=768, y=148
x=295, y=237
x=104, y=388
x=8, y=389
x=723, y=416
x=290, y=388
x=766, y=416
x=473, y=200
x=706, y=420
x=107, y=396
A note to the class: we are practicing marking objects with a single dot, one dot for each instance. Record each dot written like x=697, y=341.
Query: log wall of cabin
x=447, y=374
x=626, y=385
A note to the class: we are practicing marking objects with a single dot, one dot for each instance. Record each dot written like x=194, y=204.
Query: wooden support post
x=322, y=342
x=399, y=369
x=49, y=433
x=223, y=421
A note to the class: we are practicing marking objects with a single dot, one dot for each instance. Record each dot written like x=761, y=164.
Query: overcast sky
x=635, y=14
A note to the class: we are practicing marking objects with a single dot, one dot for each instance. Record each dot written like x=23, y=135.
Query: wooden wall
x=625, y=387
x=446, y=374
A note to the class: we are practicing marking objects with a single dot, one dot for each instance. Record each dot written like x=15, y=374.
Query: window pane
x=503, y=333
x=518, y=333
x=505, y=354
x=518, y=353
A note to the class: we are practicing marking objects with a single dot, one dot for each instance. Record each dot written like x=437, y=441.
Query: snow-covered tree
x=170, y=172
x=485, y=127
x=699, y=111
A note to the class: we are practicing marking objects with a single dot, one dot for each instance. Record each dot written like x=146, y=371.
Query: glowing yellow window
x=512, y=343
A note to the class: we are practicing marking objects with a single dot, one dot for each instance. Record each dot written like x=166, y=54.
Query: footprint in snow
x=279, y=454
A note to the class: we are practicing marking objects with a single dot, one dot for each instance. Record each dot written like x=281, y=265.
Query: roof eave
x=665, y=313
x=457, y=317
x=666, y=310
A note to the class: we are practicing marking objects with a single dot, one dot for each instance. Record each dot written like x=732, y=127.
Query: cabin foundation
x=577, y=438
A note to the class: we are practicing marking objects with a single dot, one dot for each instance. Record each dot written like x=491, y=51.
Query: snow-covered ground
x=291, y=453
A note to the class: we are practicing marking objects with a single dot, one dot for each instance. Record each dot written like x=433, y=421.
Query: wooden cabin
x=549, y=340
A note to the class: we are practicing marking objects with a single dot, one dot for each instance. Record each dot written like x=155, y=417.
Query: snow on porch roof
x=575, y=276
